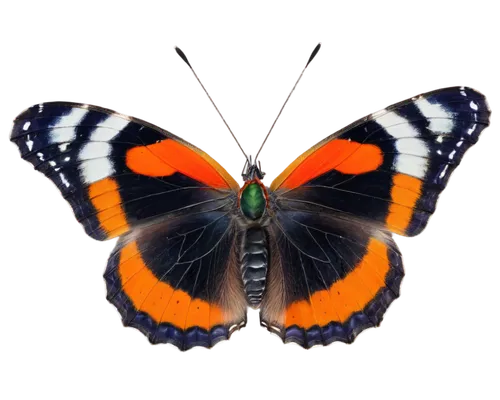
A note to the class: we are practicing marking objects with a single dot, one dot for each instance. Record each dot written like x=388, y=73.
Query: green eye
x=252, y=201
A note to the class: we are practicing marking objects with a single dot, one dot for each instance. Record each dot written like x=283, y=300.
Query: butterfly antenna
x=310, y=59
x=179, y=52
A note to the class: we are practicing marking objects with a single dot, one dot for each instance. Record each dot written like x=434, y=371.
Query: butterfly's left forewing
x=172, y=272
x=334, y=208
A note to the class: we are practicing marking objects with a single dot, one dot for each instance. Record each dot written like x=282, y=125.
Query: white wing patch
x=109, y=128
x=413, y=150
x=411, y=165
x=396, y=125
x=412, y=146
x=440, y=120
x=94, y=150
x=96, y=169
x=96, y=164
x=64, y=129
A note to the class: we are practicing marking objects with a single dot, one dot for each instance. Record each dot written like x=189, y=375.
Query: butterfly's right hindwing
x=328, y=279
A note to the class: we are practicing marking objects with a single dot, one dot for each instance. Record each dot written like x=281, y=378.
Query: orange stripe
x=346, y=296
x=301, y=314
x=106, y=200
x=169, y=156
x=406, y=190
x=158, y=299
x=345, y=156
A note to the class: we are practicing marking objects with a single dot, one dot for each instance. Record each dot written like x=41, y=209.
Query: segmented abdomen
x=254, y=258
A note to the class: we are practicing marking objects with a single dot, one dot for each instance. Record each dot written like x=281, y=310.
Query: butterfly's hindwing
x=338, y=277
x=179, y=281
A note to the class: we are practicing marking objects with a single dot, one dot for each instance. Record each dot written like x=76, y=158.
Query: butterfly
x=314, y=250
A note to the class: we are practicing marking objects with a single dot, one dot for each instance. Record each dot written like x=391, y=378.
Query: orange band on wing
x=404, y=194
x=158, y=299
x=346, y=296
x=341, y=155
x=169, y=156
x=106, y=199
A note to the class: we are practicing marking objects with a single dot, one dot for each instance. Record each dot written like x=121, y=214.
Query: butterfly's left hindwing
x=334, y=266
x=178, y=281
x=173, y=274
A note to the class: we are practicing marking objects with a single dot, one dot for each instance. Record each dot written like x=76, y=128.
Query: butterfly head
x=252, y=171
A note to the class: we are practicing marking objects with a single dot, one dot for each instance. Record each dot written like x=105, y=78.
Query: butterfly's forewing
x=126, y=177
x=334, y=207
x=390, y=166
x=118, y=172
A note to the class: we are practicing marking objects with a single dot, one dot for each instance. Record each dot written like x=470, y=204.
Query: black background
x=51, y=271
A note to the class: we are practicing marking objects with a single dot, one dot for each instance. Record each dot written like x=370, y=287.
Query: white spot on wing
x=471, y=130
x=29, y=143
x=396, y=125
x=443, y=172
x=473, y=105
x=64, y=129
x=411, y=165
x=63, y=179
x=109, y=128
x=413, y=146
x=96, y=165
x=440, y=120
x=26, y=125
x=94, y=150
x=408, y=142
x=95, y=170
